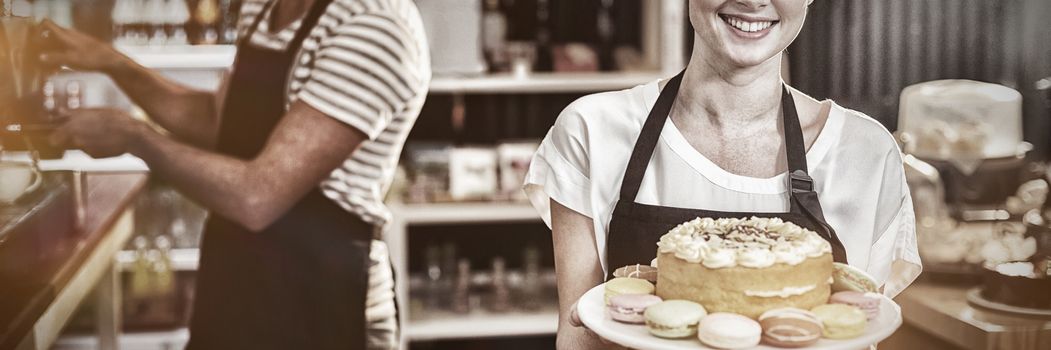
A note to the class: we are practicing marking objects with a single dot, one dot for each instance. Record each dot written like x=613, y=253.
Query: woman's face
x=746, y=33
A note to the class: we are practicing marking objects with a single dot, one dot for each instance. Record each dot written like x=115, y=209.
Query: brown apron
x=302, y=282
x=636, y=228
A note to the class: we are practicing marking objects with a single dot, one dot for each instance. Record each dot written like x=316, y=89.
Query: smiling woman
x=726, y=138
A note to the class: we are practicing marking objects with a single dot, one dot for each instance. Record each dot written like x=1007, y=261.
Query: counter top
x=943, y=311
x=59, y=263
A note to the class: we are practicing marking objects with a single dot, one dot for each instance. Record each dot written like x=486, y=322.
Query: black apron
x=302, y=282
x=636, y=228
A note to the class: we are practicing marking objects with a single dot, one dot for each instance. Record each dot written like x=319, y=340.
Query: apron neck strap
x=795, y=148
x=647, y=141
x=305, y=26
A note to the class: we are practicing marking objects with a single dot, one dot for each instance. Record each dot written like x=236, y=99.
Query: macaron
x=846, y=277
x=867, y=302
x=629, y=308
x=723, y=330
x=841, y=321
x=790, y=327
x=640, y=271
x=624, y=285
x=674, y=318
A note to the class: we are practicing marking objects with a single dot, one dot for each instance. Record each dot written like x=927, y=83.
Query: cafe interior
x=99, y=254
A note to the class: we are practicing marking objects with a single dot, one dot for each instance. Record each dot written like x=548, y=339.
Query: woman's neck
x=724, y=94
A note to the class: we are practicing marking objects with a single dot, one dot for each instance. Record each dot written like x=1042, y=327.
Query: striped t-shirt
x=367, y=64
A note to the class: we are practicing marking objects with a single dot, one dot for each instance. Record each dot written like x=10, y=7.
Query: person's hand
x=73, y=49
x=101, y=133
x=590, y=336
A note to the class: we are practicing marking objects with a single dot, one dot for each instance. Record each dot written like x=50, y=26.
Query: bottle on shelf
x=501, y=292
x=156, y=18
x=177, y=15
x=448, y=278
x=461, y=302
x=434, y=291
x=494, y=36
x=140, y=271
x=162, y=265
x=229, y=10
x=127, y=17
x=207, y=17
x=605, y=32
x=74, y=95
x=544, y=61
x=532, y=286
x=50, y=102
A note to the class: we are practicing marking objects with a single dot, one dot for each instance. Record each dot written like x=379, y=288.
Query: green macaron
x=625, y=285
x=674, y=318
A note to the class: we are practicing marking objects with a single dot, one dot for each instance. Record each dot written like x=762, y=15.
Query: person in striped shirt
x=293, y=157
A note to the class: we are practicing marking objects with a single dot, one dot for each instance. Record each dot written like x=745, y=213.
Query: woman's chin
x=748, y=58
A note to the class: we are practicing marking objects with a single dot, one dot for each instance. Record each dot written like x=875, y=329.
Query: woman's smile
x=748, y=27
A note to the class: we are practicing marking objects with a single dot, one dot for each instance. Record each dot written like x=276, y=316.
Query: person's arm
x=304, y=148
x=190, y=115
x=578, y=270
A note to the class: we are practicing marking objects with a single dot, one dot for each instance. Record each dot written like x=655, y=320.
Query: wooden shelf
x=413, y=214
x=221, y=57
x=541, y=82
x=196, y=57
x=483, y=326
x=463, y=213
x=164, y=340
x=182, y=259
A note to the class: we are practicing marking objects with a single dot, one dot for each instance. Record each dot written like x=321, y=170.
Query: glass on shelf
x=462, y=297
x=501, y=300
x=177, y=14
x=207, y=15
x=532, y=291
x=434, y=289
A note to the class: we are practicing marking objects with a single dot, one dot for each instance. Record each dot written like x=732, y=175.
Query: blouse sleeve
x=894, y=260
x=560, y=167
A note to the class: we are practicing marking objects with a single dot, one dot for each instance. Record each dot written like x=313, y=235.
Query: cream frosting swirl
x=750, y=242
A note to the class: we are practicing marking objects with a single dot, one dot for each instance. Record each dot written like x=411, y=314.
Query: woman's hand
x=70, y=48
x=102, y=132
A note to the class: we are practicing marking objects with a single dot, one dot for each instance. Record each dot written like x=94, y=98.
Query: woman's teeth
x=746, y=26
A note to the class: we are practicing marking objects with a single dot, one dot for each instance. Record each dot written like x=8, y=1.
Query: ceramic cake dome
x=949, y=119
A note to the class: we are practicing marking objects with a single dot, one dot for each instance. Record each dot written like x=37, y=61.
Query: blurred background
x=474, y=260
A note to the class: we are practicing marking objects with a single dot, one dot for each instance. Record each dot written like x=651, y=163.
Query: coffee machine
x=27, y=108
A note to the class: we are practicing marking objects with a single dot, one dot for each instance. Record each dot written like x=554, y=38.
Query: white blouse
x=855, y=163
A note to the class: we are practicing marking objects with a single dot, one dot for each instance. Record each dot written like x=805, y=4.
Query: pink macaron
x=630, y=308
x=867, y=302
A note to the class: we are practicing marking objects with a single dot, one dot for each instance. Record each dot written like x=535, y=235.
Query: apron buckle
x=801, y=182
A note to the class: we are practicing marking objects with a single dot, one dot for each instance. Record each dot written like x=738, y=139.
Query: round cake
x=744, y=266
